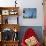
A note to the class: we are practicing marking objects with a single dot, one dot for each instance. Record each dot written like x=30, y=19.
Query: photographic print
x=29, y=13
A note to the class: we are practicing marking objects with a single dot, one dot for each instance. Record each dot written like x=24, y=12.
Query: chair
x=29, y=33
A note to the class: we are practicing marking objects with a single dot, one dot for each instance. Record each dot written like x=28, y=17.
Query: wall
x=32, y=4
x=45, y=20
x=7, y=3
x=45, y=14
x=27, y=4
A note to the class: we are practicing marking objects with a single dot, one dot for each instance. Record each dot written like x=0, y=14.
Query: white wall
x=32, y=4
x=7, y=3
x=27, y=4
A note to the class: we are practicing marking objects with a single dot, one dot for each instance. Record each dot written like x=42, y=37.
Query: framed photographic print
x=12, y=12
x=12, y=20
x=5, y=12
x=29, y=13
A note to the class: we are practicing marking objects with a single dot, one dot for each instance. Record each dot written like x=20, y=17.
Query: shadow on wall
x=37, y=29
